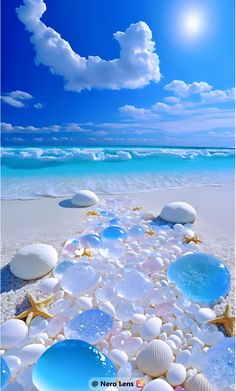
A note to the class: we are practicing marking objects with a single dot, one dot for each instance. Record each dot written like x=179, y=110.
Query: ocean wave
x=8, y=155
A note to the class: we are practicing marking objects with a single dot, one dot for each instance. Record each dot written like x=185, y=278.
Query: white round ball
x=85, y=198
x=12, y=331
x=33, y=261
x=176, y=374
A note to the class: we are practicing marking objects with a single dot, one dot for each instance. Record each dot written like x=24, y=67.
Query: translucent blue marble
x=113, y=233
x=91, y=240
x=69, y=365
x=61, y=268
x=114, y=222
x=90, y=326
x=200, y=277
x=219, y=365
x=135, y=232
x=5, y=373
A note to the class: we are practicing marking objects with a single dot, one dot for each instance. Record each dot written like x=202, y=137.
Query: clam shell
x=176, y=374
x=155, y=358
x=197, y=382
x=158, y=384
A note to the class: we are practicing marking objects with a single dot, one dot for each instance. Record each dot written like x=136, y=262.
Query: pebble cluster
x=111, y=290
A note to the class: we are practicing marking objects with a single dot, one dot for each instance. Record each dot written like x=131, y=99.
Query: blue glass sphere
x=113, y=232
x=91, y=240
x=5, y=373
x=114, y=222
x=200, y=277
x=61, y=268
x=69, y=365
x=135, y=232
x=219, y=364
x=90, y=326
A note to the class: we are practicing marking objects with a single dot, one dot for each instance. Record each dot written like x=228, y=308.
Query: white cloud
x=218, y=96
x=9, y=128
x=136, y=67
x=182, y=89
x=135, y=112
x=38, y=105
x=16, y=98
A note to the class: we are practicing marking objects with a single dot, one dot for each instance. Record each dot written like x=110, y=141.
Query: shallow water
x=29, y=173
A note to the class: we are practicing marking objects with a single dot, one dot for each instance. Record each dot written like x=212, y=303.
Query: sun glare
x=192, y=23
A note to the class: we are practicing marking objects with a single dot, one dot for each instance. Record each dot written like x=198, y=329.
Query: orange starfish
x=92, y=213
x=37, y=309
x=227, y=320
x=194, y=239
x=137, y=208
x=150, y=232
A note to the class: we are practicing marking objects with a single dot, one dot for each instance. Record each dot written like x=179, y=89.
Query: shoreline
x=45, y=220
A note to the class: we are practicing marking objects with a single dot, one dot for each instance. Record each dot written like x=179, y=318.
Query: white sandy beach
x=44, y=220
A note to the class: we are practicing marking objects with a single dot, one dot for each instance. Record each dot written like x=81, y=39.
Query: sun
x=192, y=23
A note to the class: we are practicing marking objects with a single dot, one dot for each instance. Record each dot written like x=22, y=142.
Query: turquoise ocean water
x=29, y=173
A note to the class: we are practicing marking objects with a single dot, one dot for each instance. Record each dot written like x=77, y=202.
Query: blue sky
x=148, y=72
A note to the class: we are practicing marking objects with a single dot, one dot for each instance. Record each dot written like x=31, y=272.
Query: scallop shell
x=176, y=374
x=155, y=358
x=197, y=383
x=158, y=384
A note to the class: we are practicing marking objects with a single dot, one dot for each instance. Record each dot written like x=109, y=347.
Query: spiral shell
x=197, y=382
x=155, y=359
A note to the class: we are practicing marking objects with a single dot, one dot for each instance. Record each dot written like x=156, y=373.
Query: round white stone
x=178, y=212
x=33, y=261
x=31, y=353
x=158, y=385
x=12, y=331
x=85, y=198
x=151, y=328
x=118, y=357
x=204, y=314
x=176, y=374
x=13, y=363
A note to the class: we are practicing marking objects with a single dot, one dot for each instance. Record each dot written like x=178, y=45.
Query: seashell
x=155, y=359
x=118, y=357
x=176, y=374
x=158, y=384
x=197, y=382
x=151, y=328
x=138, y=318
x=184, y=358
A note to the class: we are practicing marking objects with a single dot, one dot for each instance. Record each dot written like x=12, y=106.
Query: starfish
x=137, y=208
x=37, y=309
x=85, y=252
x=227, y=320
x=194, y=239
x=92, y=213
x=150, y=232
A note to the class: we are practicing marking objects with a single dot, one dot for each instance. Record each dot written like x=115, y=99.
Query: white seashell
x=175, y=339
x=37, y=325
x=155, y=359
x=12, y=331
x=193, y=341
x=197, y=382
x=48, y=285
x=178, y=212
x=204, y=314
x=118, y=357
x=138, y=318
x=151, y=328
x=13, y=363
x=158, y=385
x=31, y=353
x=33, y=261
x=176, y=374
x=108, y=307
x=85, y=198
x=184, y=358
x=84, y=302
